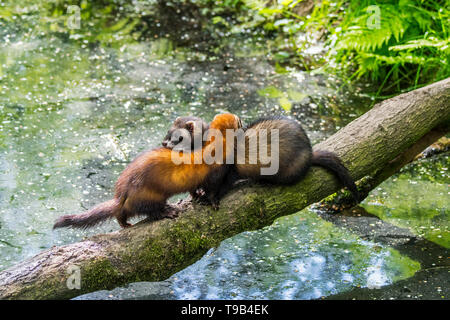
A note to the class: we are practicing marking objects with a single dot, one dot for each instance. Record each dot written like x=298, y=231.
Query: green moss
x=100, y=275
x=45, y=290
x=158, y=257
x=343, y=199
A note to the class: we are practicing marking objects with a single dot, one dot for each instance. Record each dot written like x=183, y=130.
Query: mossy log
x=152, y=251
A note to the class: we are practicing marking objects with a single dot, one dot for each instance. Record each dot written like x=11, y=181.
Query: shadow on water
x=409, y=213
x=430, y=282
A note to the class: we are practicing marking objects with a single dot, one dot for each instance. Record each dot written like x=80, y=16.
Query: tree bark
x=154, y=251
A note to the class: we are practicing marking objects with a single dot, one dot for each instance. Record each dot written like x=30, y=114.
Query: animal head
x=184, y=128
x=225, y=121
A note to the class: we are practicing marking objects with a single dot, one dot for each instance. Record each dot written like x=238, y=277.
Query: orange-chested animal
x=146, y=183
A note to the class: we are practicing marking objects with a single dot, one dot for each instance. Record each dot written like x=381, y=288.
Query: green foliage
x=408, y=47
x=110, y=23
x=397, y=44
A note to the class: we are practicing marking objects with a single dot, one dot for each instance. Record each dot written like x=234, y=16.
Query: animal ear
x=190, y=126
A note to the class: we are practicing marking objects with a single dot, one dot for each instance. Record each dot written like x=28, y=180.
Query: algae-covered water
x=77, y=105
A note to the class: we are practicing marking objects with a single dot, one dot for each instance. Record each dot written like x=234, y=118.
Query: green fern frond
x=441, y=45
x=402, y=58
x=360, y=37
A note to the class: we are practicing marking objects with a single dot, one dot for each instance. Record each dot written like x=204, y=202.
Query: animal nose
x=164, y=143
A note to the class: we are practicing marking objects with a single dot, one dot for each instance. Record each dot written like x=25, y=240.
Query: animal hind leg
x=155, y=210
x=217, y=184
x=122, y=218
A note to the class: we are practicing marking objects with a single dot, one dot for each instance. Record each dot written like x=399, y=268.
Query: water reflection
x=426, y=213
x=299, y=257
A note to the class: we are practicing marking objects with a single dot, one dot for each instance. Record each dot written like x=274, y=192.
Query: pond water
x=76, y=108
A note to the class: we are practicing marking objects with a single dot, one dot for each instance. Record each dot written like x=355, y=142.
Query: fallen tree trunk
x=154, y=251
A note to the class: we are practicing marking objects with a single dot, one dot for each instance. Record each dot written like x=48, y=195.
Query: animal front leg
x=197, y=194
x=214, y=185
x=169, y=212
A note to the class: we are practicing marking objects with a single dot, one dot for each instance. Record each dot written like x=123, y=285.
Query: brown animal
x=145, y=185
x=295, y=157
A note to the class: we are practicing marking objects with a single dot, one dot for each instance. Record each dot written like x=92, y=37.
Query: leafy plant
x=397, y=44
x=408, y=47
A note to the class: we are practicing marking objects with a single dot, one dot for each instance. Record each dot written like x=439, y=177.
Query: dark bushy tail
x=90, y=218
x=330, y=161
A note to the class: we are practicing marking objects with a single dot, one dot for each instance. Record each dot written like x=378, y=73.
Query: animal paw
x=214, y=204
x=126, y=225
x=172, y=214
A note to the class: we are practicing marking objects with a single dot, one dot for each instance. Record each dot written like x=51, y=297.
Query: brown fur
x=294, y=151
x=295, y=156
x=145, y=185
